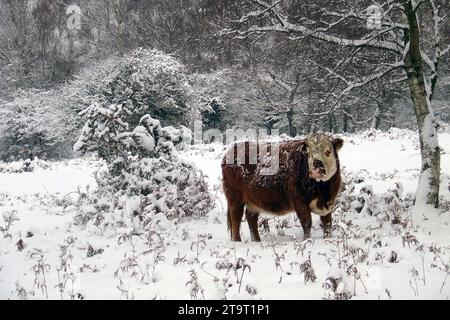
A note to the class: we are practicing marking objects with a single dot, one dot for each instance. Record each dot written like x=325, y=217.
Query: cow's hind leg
x=235, y=213
x=252, y=220
x=326, y=225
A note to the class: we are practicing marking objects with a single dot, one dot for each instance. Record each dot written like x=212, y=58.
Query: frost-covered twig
x=40, y=268
x=9, y=218
x=414, y=276
x=195, y=288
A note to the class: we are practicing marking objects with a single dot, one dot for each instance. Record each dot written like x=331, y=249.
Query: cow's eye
x=327, y=153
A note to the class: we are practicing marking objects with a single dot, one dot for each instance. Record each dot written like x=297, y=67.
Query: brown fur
x=290, y=189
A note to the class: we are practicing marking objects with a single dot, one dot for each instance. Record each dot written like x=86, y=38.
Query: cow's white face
x=322, y=156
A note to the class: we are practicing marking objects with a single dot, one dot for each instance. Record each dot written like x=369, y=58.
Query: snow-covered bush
x=162, y=184
x=105, y=131
x=213, y=113
x=27, y=165
x=145, y=176
x=336, y=285
x=44, y=123
x=108, y=130
x=151, y=82
x=90, y=84
x=36, y=123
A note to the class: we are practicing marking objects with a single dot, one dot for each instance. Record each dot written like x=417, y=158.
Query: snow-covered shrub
x=27, y=165
x=109, y=132
x=105, y=131
x=90, y=84
x=163, y=184
x=151, y=82
x=36, y=123
x=336, y=285
x=213, y=113
x=145, y=176
x=390, y=206
x=44, y=123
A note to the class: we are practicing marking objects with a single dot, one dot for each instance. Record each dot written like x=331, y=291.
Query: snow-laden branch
x=364, y=81
x=445, y=50
x=430, y=63
x=281, y=83
x=266, y=95
x=386, y=22
x=417, y=4
x=437, y=44
x=363, y=121
x=258, y=13
x=335, y=74
x=352, y=84
x=280, y=23
x=373, y=77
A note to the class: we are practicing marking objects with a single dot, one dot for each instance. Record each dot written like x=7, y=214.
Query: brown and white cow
x=308, y=180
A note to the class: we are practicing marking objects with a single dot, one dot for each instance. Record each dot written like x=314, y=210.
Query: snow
x=429, y=132
x=199, y=252
x=62, y=178
x=146, y=140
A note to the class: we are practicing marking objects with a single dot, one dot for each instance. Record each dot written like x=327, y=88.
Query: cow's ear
x=338, y=143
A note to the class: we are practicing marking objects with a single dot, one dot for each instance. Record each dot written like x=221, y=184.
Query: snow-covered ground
x=43, y=253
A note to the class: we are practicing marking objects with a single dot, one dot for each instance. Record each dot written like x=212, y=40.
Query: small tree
x=213, y=113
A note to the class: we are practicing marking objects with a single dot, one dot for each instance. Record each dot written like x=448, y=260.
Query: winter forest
x=115, y=117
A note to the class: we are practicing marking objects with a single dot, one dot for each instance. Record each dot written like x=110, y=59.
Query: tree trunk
x=344, y=122
x=428, y=190
x=312, y=128
x=376, y=119
x=330, y=124
x=290, y=119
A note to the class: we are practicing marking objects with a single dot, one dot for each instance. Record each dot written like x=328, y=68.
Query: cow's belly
x=268, y=202
x=268, y=209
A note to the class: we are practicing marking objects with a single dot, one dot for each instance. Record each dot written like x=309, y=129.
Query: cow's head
x=323, y=158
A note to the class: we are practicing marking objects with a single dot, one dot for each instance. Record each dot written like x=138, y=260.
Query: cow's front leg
x=235, y=212
x=304, y=214
x=326, y=225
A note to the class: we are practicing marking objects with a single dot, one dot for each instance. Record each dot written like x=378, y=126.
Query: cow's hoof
x=306, y=236
x=255, y=237
x=327, y=234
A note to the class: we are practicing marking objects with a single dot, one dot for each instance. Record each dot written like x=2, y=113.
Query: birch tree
x=407, y=34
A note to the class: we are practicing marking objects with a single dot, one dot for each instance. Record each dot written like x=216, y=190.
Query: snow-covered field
x=378, y=250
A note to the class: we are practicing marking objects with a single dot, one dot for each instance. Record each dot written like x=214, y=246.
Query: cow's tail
x=228, y=208
x=229, y=220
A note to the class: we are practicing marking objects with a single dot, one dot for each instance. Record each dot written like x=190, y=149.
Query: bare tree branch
x=283, y=25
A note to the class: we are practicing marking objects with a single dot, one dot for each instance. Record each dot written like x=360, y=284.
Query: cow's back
x=244, y=183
